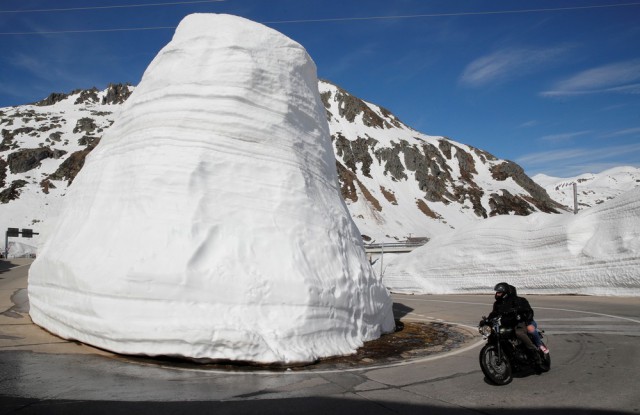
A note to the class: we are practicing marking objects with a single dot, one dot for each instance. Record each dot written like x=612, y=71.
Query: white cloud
x=507, y=64
x=529, y=124
x=581, y=155
x=620, y=77
x=627, y=131
x=564, y=136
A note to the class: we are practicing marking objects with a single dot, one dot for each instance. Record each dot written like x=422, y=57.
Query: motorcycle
x=505, y=354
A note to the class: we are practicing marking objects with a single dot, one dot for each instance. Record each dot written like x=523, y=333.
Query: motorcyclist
x=516, y=312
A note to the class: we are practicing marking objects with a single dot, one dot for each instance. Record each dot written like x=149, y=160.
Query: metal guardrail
x=394, y=245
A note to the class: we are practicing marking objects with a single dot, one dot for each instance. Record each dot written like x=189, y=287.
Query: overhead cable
x=336, y=19
x=123, y=6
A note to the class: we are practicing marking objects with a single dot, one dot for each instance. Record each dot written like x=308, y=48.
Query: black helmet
x=502, y=290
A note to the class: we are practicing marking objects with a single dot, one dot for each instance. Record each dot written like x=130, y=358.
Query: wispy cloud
x=507, y=64
x=564, y=136
x=31, y=64
x=529, y=124
x=556, y=162
x=351, y=60
x=620, y=77
x=628, y=131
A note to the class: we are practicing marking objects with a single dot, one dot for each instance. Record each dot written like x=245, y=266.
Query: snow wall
x=596, y=252
x=208, y=222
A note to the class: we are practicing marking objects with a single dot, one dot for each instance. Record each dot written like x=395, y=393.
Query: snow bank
x=595, y=252
x=208, y=222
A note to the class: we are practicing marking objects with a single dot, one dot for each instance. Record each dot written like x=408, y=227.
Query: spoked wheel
x=497, y=370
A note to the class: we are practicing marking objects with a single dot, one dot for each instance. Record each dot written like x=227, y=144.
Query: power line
x=411, y=16
x=337, y=19
x=124, y=6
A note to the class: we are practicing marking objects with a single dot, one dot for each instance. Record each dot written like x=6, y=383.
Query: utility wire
x=411, y=16
x=123, y=6
x=338, y=19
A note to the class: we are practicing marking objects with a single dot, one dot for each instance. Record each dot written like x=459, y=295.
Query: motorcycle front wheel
x=496, y=369
x=545, y=366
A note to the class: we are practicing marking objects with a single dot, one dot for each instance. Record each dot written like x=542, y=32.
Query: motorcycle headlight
x=485, y=330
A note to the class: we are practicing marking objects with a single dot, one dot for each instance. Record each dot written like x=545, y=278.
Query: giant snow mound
x=596, y=252
x=208, y=222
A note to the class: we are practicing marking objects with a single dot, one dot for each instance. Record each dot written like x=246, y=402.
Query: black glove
x=483, y=321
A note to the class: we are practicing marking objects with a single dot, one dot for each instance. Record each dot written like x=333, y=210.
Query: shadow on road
x=401, y=310
x=308, y=406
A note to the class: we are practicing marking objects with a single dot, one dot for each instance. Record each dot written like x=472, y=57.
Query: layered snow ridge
x=208, y=222
x=596, y=252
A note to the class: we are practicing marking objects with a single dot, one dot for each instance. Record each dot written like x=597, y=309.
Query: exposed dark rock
x=55, y=136
x=8, y=136
x=445, y=147
x=27, y=159
x=48, y=127
x=3, y=173
x=474, y=195
x=7, y=141
x=349, y=107
x=433, y=174
x=349, y=180
x=69, y=168
x=392, y=164
x=507, y=203
x=86, y=125
x=13, y=191
x=87, y=95
x=540, y=198
x=483, y=155
x=88, y=140
x=466, y=164
x=53, y=98
x=354, y=152
x=117, y=94
x=389, y=195
x=424, y=208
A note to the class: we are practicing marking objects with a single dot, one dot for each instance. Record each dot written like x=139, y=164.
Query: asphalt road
x=594, y=342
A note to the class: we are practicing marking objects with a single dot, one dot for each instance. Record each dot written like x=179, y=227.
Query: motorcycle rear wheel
x=497, y=370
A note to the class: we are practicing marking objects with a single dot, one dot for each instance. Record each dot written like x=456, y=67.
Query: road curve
x=594, y=342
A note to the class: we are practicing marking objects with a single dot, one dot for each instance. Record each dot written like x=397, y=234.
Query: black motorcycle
x=505, y=354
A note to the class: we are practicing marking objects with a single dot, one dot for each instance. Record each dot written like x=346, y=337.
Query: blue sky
x=553, y=85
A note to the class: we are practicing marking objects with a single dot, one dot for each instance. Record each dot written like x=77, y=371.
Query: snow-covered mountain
x=396, y=181
x=400, y=182
x=592, y=189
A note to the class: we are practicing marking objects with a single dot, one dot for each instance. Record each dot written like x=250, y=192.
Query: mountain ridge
x=396, y=181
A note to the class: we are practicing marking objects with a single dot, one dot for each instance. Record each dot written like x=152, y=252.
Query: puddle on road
x=410, y=341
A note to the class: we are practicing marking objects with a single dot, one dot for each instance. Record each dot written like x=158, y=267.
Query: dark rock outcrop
x=539, y=196
x=85, y=125
x=3, y=173
x=69, y=168
x=354, y=152
x=13, y=191
x=87, y=96
x=30, y=158
x=117, y=94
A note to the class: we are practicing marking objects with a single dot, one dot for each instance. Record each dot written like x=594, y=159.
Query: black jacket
x=513, y=309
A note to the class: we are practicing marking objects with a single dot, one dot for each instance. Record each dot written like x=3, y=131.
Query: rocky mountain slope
x=397, y=182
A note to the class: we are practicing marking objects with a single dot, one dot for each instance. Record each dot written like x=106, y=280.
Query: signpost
x=575, y=194
x=15, y=232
